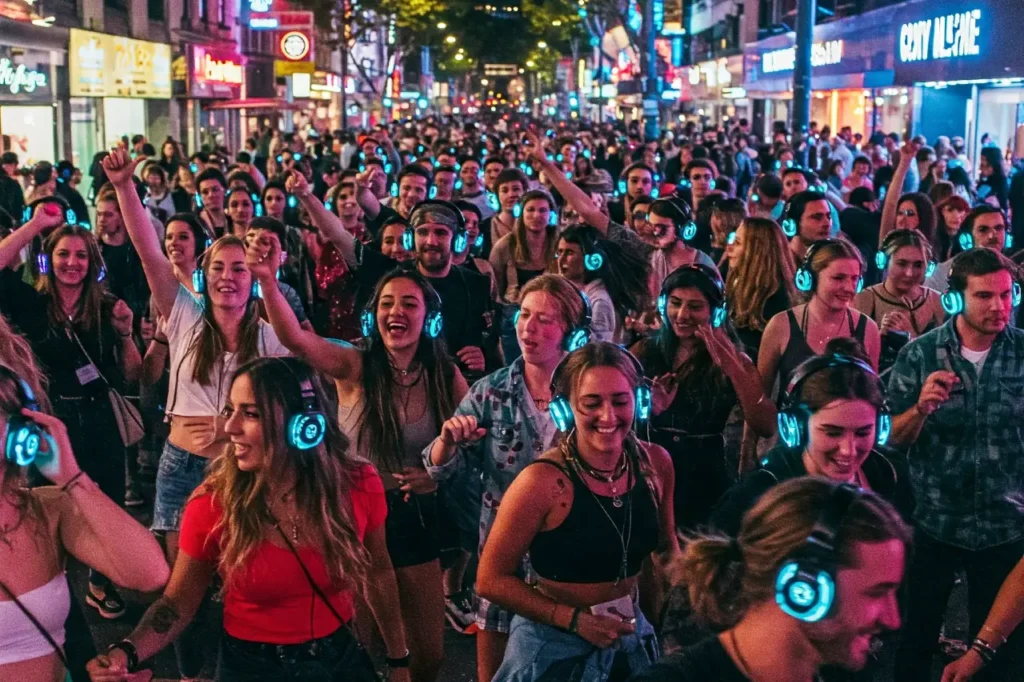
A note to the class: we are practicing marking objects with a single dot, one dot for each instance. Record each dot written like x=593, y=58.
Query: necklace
x=626, y=532
x=293, y=520
x=610, y=476
x=744, y=667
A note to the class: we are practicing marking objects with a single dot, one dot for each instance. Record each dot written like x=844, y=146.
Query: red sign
x=281, y=21
x=215, y=73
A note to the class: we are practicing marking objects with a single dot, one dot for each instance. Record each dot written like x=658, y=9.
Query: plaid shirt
x=967, y=465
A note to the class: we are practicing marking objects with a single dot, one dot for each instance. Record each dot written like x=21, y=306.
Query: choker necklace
x=612, y=477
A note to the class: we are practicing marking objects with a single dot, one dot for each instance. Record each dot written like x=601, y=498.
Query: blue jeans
x=179, y=474
x=542, y=653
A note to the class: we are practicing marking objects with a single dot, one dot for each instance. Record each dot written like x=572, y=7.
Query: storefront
x=966, y=68
x=319, y=95
x=28, y=112
x=710, y=92
x=118, y=86
x=203, y=76
x=852, y=77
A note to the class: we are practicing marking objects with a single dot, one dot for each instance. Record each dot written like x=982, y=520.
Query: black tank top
x=584, y=548
x=798, y=350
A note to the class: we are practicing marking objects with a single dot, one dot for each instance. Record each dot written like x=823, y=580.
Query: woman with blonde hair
x=294, y=526
x=41, y=527
x=781, y=611
x=208, y=334
x=758, y=279
x=529, y=249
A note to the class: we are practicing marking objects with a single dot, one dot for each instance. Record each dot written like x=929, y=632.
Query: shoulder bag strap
x=312, y=583
x=39, y=626
x=88, y=357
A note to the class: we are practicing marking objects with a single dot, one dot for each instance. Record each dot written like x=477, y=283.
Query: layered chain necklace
x=293, y=520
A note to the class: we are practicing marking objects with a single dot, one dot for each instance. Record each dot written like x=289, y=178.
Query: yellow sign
x=284, y=68
x=103, y=65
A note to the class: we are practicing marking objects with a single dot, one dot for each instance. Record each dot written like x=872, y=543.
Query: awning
x=268, y=103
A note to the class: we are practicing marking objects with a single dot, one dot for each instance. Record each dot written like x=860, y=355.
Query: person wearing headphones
x=809, y=581
x=293, y=524
x=806, y=218
x=902, y=308
x=638, y=179
x=503, y=424
x=598, y=508
x=510, y=184
x=392, y=398
x=955, y=394
x=529, y=249
x=211, y=186
x=436, y=229
x=984, y=227
x=470, y=258
x=699, y=376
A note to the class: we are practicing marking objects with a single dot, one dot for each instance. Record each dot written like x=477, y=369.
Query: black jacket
x=887, y=476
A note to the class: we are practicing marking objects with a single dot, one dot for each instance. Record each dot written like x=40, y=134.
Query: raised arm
x=908, y=154
x=573, y=195
x=120, y=170
x=46, y=216
x=330, y=225
x=342, y=363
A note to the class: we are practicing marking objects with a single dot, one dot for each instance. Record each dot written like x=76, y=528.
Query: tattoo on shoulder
x=161, y=616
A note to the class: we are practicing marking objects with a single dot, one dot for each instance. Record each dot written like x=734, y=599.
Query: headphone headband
x=819, y=363
x=830, y=520
x=25, y=394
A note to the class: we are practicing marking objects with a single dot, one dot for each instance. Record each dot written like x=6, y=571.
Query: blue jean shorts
x=180, y=472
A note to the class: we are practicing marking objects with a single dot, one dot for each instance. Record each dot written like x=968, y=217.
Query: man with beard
x=466, y=304
x=800, y=593
x=986, y=227
x=957, y=396
x=806, y=218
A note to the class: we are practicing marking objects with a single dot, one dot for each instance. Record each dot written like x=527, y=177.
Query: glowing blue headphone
x=306, y=429
x=953, y=298
x=24, y=436
x=433, y=323
x=805, y=279
x=719, y=310
x=492, y=202
x=199, y=277
x=966, y=239
x=561, y=411
x=789, y=224
x=805, y=586
x=883, y=255
x=579, y=335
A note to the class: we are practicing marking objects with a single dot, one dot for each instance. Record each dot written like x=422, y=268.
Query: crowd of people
x=700, y=408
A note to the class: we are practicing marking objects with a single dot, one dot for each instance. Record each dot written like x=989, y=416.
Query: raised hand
x=297, y=184
x=122, y=318
x=119, y=167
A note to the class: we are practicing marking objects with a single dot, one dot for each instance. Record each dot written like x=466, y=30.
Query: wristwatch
x=130, y=652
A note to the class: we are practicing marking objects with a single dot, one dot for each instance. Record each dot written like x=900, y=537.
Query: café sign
x=18, y=78
x=943, y=37
x=216, y=73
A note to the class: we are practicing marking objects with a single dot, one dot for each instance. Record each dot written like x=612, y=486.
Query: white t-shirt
x=188, y=398
x=975, y=357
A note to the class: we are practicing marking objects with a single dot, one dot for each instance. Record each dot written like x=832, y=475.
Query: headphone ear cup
x=663, y=306
x=593, y=261
x=881, y=260
x=1016, y=294
x=952, y=302
x=789, y=227
x=367, y=322
x=24, y=438
x=860, y=284
x=930, y=270
x=966, y=241
x=517, y=210
x=433, y=193
x=642, y=411
x=408, y=239
x=883, y=428
x=689, y=231
x=199, y=280
x=433, y=324
x=306, y=430
x=718, y=316
x=792, y=422
x=804, y=281
x=805, y=592
x=561, y=413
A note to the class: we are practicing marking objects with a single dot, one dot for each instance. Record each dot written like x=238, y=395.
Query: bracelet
x=574, y=621
x=71, y=483
x=162, y=343
x=984, y=649
x=400, y=662
x=1001, y=636
x=130, y=652
x=124, y=336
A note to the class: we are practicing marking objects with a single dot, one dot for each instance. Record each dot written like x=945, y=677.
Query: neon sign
x=220, y=71
x=825, y=53
x=260, y=5
x=294, y=45
x=943, y=37
x=20, y=78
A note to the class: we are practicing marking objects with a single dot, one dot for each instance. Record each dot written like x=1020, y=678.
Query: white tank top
x=49, y=604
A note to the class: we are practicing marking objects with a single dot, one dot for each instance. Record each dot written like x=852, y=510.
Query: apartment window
x=202, y=10
x=222, y=16
x=155, y=9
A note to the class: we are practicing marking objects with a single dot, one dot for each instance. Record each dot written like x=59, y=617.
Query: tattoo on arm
x=161, y=617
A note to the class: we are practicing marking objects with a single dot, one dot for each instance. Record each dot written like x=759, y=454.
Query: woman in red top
x=293, y=526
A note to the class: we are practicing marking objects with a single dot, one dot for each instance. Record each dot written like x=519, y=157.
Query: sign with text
x=824, y=53
x=501, y=70
x=24, y=75
x=284, y=68
x=215, y=73
x=281, y=21
x=103, y=65
x=943, y=37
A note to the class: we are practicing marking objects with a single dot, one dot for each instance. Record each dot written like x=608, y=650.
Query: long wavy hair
x=520, y=245
x=381, y=423
x=16, y=355
x=210, y=344
x=765, y=265
x=624, y=271
x=89, y=309
x=325, y=476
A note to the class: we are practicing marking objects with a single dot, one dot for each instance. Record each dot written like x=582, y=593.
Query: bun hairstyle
x=724, y=576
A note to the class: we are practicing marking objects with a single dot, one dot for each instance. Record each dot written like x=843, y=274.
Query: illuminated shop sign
x=18, y=78
x=824, y=53
x=943, y=37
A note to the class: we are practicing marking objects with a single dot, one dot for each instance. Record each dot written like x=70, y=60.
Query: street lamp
x=484, y=81
x=459, y=57
x=441, y=26
x=450, y=40
x=530, y=63
x=542, y=45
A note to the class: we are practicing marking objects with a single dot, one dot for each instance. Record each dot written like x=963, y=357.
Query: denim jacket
x=517, y=434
